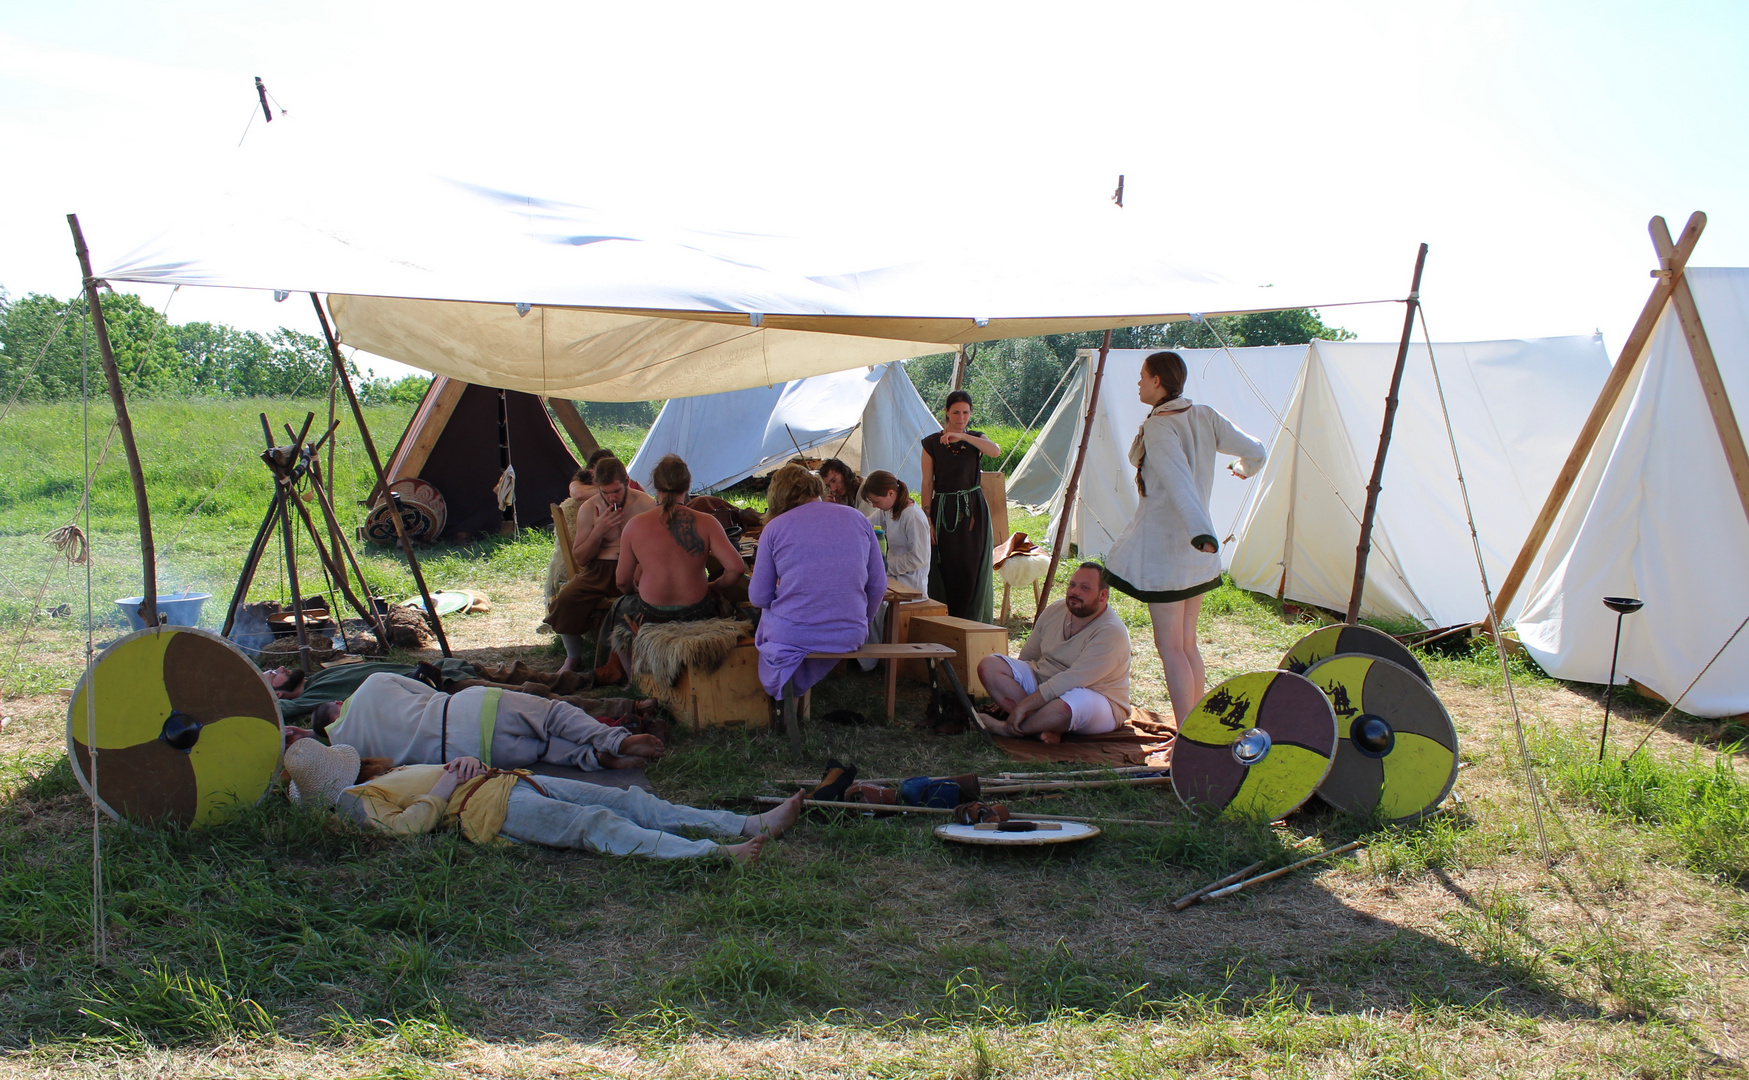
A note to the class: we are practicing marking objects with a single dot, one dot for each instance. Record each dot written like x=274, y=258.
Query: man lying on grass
x=300, y=694
x=490, y=804
x=1073, y=673
x=409, y=723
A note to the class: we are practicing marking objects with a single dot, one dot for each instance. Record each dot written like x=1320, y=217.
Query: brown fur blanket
x=662, y=652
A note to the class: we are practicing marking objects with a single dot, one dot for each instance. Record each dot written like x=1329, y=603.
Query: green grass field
x=282, y=944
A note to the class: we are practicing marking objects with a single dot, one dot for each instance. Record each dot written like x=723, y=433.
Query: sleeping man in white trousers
x=408, y=722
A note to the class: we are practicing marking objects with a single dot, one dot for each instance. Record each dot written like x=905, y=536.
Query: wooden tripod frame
x=291, y=465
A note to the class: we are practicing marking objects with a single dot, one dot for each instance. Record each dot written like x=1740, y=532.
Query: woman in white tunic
x=906, y=528
x=1167, y=557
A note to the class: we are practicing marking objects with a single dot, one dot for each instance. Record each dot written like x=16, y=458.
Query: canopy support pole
x=1671, y=263
x=376, y=464
x=1364, y=548
x=959, y=369
x=148, y=551
x=1074, y=477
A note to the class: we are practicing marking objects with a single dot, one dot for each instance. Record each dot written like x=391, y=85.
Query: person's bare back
x=664, y=560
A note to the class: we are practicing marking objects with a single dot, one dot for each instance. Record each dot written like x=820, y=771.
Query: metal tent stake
x=1622, y=606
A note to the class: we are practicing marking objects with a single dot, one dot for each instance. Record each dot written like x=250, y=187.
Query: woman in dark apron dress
x=959, y=566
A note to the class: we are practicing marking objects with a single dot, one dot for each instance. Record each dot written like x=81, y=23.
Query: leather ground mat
x=1144, y=739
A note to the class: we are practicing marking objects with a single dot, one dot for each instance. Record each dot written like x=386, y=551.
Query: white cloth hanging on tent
x=505, y=488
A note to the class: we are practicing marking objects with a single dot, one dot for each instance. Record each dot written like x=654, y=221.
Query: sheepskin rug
x=662, y=652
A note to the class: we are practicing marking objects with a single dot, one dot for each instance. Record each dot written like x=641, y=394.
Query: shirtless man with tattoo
x=662, y=557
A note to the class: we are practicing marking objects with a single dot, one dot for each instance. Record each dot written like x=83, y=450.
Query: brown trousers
x=577, y=607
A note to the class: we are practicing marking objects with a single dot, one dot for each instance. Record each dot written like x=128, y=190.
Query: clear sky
x=1527, y=143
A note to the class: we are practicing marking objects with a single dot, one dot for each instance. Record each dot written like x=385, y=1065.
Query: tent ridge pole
x=1364, y=548
x=1074, y=477
x=1632, y=350
x=112, y=376
x=376, y=464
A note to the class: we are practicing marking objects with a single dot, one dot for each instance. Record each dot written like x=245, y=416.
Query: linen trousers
x=590, y=817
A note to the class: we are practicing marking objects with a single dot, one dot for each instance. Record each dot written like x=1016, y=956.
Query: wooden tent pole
x=1074, y=477
x=1625, y=363
x=1364, y=548
x=1706, y=365
x=142, y=510
x=376, y=464
x=959, y=370
x=572, y=421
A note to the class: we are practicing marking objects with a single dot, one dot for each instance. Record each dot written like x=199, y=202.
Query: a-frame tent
x=1657, y=504
x=869, y=418
x=1249, y=386
x=1515, y=408
x=459, y=438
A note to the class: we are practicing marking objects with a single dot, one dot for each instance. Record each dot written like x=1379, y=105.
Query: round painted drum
x=1397, y=752
x=1255, y=747
x=186, y=728
x=1340, y=640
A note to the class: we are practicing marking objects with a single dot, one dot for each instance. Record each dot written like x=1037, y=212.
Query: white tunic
x=907, y=546
x=1175, y=450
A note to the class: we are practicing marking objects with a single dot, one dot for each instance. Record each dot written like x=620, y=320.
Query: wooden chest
x=971, y=641
x=729, y=696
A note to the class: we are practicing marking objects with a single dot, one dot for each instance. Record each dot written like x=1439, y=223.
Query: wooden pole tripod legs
x=376, y=464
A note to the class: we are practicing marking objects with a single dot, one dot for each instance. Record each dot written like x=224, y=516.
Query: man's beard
x=294, y=683
x=1081, y=611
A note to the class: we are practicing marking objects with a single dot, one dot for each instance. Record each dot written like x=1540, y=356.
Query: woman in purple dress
x=818, y=579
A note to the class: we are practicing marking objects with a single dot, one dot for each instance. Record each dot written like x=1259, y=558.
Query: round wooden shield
x=186, y=728
x=425, y=495
x=415, y=518
x=1396, y=752
x=1255, y=747
x=1340, y=640
x=1047, y=832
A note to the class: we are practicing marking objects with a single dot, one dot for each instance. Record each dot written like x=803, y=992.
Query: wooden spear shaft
x=376, y=464
x=887, y=808
x=1074, y=476
x=1378, y=466
x=1288, y=869
x=148, y=551
x=1192, y=897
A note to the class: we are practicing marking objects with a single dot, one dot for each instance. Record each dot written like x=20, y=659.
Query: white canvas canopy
x=869, y=418
x=1250, y=387
x=560, y=298
x=1655, y=514
x=1515, y=407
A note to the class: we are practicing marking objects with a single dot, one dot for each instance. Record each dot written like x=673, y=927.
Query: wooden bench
x=928, y=652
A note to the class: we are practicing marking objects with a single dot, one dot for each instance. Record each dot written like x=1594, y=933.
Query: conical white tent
x=1515, y=407
x=1655, y=514
x=869, y=418
x=1250, y=387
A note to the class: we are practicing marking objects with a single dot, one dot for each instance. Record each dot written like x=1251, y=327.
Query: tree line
x=1013, y=381
x=45, y=343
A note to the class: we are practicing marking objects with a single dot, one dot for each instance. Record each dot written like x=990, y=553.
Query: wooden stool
x=729, y=696
x=971, y=641
x=899, y=618
x=928, y=652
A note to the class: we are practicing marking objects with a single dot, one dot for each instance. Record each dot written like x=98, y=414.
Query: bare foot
x=999, y=727
x=570, y=664
x=1050, y=737
x=644, y=746
x=746, y=853
x=776, y=821
x=646, y=707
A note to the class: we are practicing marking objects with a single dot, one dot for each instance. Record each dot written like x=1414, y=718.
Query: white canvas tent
x=1656, y=514
x=1251, y=387
x=1515, y=408
x=564, y=299
x=869, y=418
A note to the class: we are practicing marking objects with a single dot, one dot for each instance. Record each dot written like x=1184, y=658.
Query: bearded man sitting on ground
x=1073, y=674
x=662, y=559
x=410, y=723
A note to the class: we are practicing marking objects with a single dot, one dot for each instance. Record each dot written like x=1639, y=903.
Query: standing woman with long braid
x=960, y=574
x=1167, y=558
